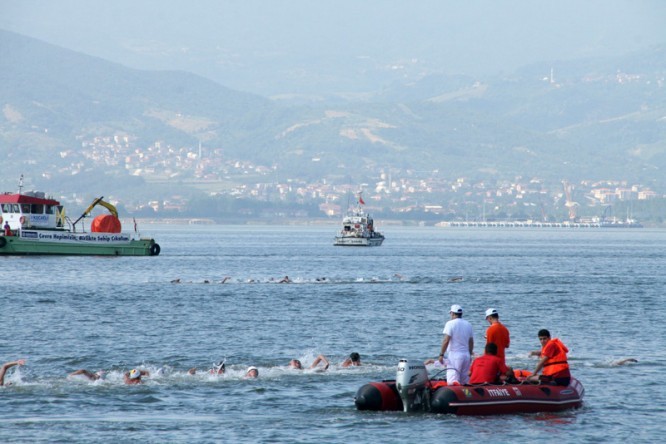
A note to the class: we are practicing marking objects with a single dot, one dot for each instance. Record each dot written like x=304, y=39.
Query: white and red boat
x=358, y=228
x=412, y=391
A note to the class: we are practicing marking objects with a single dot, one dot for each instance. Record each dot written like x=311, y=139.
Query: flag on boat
x=360, y=200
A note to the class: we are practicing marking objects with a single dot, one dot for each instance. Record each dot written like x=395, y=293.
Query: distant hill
x=594, y=119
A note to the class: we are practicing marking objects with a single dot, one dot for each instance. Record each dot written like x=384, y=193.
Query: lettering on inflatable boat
x=498, y=392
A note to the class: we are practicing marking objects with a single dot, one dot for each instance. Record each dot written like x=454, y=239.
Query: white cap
x=134, y=374
x=491, y=311
x=457, y=309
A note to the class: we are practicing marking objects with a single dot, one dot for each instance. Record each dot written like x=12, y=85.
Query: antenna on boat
x=21, y=184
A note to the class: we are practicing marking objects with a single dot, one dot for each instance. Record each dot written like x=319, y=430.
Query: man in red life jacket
x=553, y=361
x=489, y=368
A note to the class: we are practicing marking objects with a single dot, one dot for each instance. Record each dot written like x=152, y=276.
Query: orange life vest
x=557, y=363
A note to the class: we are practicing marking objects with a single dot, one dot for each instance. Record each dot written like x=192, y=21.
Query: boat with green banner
x=34, y=224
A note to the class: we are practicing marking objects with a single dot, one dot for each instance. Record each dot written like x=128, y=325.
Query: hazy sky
x=251, y=44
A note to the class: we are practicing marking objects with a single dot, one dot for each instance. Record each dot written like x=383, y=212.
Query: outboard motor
x=413, y=385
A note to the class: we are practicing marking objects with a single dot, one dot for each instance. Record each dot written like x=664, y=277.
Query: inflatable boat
x=413, y=391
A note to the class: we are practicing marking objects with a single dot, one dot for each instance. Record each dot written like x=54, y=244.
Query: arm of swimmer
x=6, y=366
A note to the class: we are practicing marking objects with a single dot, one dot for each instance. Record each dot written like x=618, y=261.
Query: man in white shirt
x=459, y=342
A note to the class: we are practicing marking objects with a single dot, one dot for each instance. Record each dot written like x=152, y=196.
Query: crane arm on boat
x=112, y=209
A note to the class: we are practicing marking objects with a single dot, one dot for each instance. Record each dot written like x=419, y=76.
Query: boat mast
x=20, y=184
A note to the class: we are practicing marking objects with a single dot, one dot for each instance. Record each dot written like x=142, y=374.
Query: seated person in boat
x=353, y=360
x=6, y=366
x=552, y=360
x=296, y=364
x=489, y=368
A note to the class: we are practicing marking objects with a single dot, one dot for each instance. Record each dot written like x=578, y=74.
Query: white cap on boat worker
x=457, y=309
x=490, y=312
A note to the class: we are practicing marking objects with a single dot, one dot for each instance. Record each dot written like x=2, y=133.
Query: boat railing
x=72, y=225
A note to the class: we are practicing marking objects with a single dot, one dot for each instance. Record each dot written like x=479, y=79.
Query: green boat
x=34, y=224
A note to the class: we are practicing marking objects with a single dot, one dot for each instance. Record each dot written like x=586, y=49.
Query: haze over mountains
x=601, y=117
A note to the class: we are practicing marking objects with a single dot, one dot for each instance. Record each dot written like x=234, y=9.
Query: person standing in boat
x=459, y=342
x=8, y=230
x=497, y=333
x=552, y=359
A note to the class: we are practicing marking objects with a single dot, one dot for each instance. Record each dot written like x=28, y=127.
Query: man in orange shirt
x=497, y=333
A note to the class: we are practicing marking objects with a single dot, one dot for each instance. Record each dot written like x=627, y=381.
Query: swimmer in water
x=88, y=374
x=354, y=360
x=252, y=373
x=296, y=364
x=218, y=369
x=134, y=376
x=6, y=366
x=625, y=361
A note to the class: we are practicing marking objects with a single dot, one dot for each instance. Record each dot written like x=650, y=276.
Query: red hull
x=478, y=400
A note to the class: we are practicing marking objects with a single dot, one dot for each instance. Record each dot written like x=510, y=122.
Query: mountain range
x=593, y=119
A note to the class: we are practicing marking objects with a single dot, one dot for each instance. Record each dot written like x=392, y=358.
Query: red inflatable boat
x=413, y=391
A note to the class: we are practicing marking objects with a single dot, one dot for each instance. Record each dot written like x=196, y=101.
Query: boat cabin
x=31, y=210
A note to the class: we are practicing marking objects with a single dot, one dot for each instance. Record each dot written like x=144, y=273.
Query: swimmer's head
x=252, y=372
x=219, y=367
x=295, y=363
x=134, y=374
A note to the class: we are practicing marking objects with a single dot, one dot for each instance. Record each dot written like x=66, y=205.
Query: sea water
x=600, y=291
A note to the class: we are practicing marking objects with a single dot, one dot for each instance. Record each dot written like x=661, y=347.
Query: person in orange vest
x=553, y=361
x=8, y=231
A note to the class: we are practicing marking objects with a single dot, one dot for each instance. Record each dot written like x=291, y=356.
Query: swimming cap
x=134, y=374
x=220, y=366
